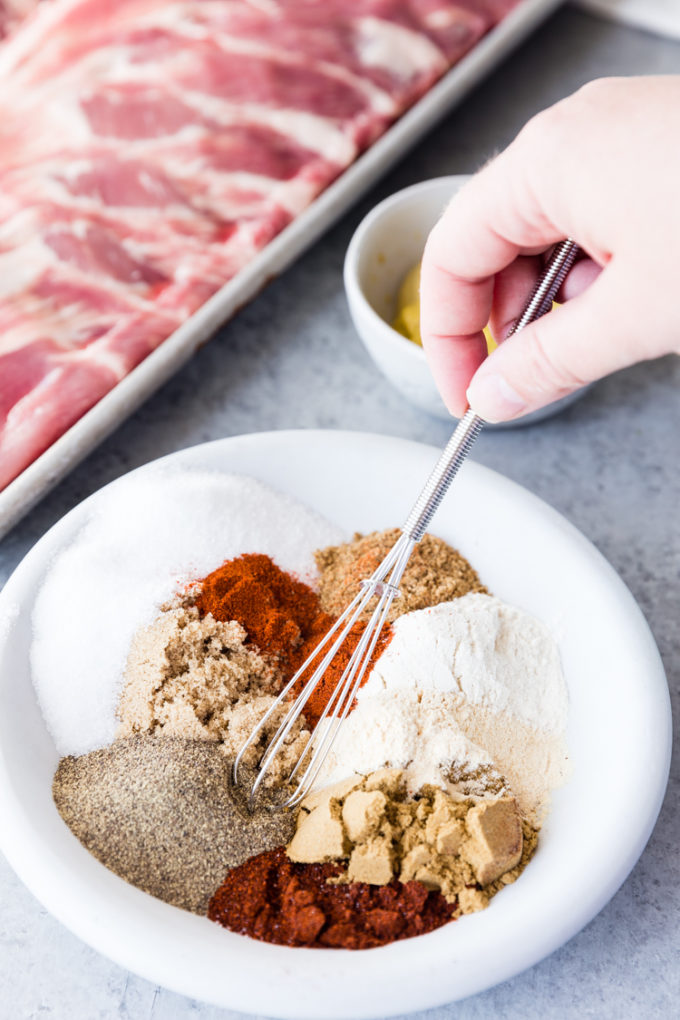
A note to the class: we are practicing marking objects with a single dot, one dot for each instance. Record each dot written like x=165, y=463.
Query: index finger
x=491, y=221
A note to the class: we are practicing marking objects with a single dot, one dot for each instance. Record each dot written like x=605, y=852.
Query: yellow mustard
x=407, y=318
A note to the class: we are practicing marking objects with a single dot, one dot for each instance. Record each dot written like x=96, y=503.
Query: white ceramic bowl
x=387, y=243
x=618, y=737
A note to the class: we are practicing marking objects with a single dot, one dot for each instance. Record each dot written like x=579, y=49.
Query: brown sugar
x=197, y=678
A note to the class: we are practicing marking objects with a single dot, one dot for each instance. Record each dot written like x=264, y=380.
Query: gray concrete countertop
x=610, y=464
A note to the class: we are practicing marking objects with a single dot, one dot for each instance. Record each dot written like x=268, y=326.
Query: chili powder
x=272, y=899
x=283, y=617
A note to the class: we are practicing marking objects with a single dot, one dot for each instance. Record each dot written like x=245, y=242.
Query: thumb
x=577, y=343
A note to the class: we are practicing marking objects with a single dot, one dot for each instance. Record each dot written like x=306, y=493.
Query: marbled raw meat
x=12, y=13
x=150, y=149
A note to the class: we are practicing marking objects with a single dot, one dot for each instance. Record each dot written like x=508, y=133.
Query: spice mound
x=468, y=693
x=435, y=572
x=160, y=813
x=460, y=848
x=198, y=678
x=275, y=900
x=430, y=800
x=283, y=617
x=146, y=539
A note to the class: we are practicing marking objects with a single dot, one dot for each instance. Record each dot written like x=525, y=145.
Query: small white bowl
x=387, y=243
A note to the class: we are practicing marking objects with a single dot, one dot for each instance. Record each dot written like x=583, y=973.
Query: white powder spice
x=493, y=654
x=414, y=731
x=533, y=762
x=437, y=737
x=144, y=538
x=473, y=684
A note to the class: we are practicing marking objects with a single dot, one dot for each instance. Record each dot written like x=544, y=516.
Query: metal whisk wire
x=384, y=583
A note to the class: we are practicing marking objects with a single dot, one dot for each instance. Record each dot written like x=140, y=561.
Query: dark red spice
x=275, y=900
x=282, y=616
x=276, y=609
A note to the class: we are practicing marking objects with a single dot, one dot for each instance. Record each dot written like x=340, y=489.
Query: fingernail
x=493, y=398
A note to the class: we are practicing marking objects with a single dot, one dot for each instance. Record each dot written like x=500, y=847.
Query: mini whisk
x=382, y=585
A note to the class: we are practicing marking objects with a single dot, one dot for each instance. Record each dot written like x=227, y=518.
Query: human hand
x=601, y=167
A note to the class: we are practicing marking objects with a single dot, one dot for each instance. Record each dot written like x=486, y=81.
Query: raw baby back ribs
x=149, y=149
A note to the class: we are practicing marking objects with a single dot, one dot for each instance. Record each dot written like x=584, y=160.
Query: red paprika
x=282, y=616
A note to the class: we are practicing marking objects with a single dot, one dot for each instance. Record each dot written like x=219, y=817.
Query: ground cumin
x=272, y=899
x=282, y=616
x=435, y=572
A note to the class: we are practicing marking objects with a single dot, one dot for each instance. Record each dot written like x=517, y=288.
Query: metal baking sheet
x=48, y=469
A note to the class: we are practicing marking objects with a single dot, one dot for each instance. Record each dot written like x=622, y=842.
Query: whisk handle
x=470, y=425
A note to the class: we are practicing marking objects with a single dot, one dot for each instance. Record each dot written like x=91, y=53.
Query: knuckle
x=551, y=125
x=541, y=137
x=537, y=129
x=597, y=89
x=596, y=100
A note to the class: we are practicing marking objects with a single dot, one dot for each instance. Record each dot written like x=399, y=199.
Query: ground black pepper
x=160, y=813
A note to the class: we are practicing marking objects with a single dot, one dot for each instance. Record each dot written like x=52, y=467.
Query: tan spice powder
x=435, y=572
x=465, y=848
x=195, y=677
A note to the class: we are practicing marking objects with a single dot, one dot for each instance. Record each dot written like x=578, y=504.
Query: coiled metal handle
x=470, y=425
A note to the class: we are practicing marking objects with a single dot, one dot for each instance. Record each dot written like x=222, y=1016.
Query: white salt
x=144, y=539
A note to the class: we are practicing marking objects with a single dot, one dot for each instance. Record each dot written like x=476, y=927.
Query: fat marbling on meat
x=149, y=149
